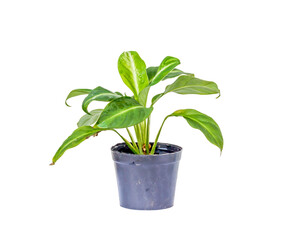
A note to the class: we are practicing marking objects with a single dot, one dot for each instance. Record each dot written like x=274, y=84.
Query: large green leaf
x=123, y=112
x=99, y=94
x=152, y=71
x=132, y=70
x=188, y=84
x=77, y=92
x=78, y=136
x=88, y=120
x=166, y=66
x=204, y=123
x=191, y=85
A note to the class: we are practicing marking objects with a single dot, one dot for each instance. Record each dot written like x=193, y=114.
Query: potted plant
x=146, y=171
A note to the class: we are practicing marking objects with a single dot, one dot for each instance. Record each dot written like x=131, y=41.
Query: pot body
x=146, y=182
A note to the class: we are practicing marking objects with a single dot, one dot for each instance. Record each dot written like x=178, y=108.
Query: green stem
x=132, y=139
x=137, y=133
x=144, y=124
x=126, y=142
x=148, y=135
x=157, y=137
x=141, y=131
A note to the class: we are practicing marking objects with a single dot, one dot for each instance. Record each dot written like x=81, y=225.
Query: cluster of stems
x=142, y=132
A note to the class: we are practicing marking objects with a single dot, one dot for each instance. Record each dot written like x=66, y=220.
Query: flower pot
x=146, y=182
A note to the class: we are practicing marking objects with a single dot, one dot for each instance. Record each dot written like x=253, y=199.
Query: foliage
x=125, y=112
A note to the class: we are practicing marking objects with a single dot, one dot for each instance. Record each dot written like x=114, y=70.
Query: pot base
x=149, y=209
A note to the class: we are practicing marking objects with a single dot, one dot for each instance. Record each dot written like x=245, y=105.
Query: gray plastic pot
x=146, y=182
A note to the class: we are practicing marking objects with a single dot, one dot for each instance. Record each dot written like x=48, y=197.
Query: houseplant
x=146, y=171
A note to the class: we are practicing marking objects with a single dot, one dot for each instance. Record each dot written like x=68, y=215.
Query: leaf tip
x=53, y=163
x=67, y=104
x=221, y=148
x=86, y=111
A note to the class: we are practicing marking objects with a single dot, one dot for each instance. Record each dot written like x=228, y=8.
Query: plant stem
x=148, y=135
x=157, y=137
x=137, y=133
x=132, y=139
x=127, y=142
x=141, y=130
x=146, y=129
x=142, y=140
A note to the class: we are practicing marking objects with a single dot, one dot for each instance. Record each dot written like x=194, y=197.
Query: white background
x=51, y=47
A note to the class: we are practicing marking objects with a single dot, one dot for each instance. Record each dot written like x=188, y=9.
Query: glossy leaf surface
x=77, y=92
x=99, y=94
x=88, y=120
x=166, y=66
x=151, y=72
x=204, y=123
x=132, y=70
x=191, y=85
x=188, y=84
x=78, y=136
x=123, y=112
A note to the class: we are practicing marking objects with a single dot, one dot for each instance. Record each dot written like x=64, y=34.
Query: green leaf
x=132, y=70
x=99, y=94
x=191, y=85
x=167, y=65
x=176, y=72
x=118, y=93
x=77, y=92
x=78, y=136
x=123, y=112
x=204, y=123
x=188, y=84
x=152, y=71
x=88, y=120
x=143, y=96
x=157, y=97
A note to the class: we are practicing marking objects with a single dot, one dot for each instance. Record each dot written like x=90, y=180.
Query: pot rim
x=179, y=149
